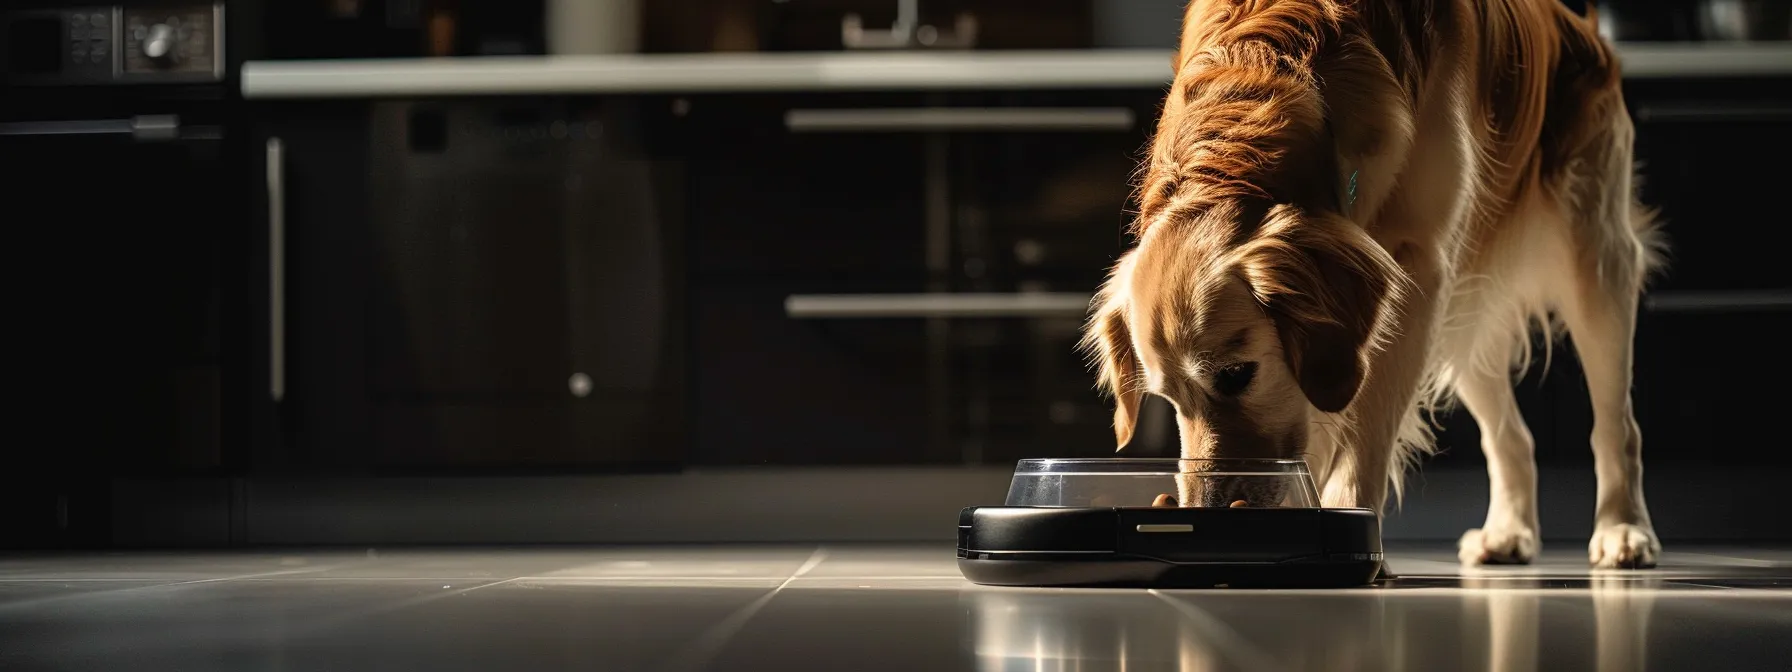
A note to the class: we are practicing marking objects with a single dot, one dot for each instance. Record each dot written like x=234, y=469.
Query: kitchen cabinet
x=899, y=278
x=467, y=285
x=854, y=278
x=1710, y=353
x=120, y=299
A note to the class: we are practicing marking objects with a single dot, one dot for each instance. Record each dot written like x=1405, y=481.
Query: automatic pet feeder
x=1113, y=522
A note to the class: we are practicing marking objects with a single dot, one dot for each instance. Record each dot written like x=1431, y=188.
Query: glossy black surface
x=1168, y=547
x=865, y=608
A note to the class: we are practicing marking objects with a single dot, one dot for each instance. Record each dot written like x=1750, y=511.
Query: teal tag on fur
x=1350, y=192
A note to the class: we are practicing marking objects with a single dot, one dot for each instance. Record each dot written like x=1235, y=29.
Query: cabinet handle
x=854, y=306
x=142, y=128
x=1710, y=113
x=909, y=120
x=276, y=269
x=1766, y=300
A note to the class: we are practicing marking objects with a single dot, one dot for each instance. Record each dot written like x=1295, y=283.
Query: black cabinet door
x=1711, y=387
x=116, y=298
x=476, y=285
x=1710, y=351
x=1713, y=161
x=114, y=284
x=899, y=278
x=1040, y=210
x=775, y=214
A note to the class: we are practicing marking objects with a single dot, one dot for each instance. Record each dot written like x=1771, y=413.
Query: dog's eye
x=1231, y=380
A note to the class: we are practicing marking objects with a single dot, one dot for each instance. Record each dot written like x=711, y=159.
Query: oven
x=117, y=202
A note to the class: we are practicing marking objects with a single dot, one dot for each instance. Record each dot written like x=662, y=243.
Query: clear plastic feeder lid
x=1105, y=482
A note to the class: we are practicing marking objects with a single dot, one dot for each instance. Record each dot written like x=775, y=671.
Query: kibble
x=1164, y=501
x=1239, y=504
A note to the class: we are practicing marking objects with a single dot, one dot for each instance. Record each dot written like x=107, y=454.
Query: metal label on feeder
x=1184, y=527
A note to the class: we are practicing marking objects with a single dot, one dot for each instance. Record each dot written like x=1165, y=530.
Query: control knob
x=159, y=44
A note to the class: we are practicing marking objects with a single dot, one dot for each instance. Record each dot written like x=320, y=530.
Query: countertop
x=845, y=71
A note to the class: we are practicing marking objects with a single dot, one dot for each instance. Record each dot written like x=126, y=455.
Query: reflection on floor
x=864, y=608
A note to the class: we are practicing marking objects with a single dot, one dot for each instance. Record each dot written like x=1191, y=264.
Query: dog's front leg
x=1388, y=400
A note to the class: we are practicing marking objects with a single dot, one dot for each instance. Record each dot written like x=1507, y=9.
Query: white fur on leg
x=1619, y=243
x=1509, y=536
x=1623, y=546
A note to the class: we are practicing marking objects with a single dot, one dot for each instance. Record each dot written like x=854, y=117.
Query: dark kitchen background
x=471, y=271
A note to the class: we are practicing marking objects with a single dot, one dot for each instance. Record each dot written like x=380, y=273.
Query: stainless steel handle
x=959, y=119
x=852, y=306
x=276, y=170
x=1708, y=113
x=1763, y=300
x=148, y=128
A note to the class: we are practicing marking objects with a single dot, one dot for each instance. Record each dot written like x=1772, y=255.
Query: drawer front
x=877, y=388
x=1711, y=159
x=1710, y=386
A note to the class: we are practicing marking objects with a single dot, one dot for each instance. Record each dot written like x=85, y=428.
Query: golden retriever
x=1356, y=211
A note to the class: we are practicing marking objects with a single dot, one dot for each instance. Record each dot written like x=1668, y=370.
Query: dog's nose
x=1226, y=490
x=1220, y=491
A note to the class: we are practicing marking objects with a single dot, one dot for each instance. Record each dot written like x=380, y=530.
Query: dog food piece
x=1163, y=501
x=1239, y=504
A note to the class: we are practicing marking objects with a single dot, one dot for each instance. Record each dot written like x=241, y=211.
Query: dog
x=1356, y=212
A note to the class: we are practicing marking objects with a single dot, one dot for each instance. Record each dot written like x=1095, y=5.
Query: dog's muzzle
x=1223, y=490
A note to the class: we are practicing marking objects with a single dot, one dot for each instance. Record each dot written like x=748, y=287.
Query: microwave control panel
x=116, y=44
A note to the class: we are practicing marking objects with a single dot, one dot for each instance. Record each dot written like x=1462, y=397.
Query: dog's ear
x=1108, y=340
x=1331, y=290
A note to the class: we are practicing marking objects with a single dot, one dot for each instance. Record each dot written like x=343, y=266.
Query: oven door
x=113, y=283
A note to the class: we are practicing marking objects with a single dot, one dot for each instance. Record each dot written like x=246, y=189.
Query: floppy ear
x=1108, y=340
x=1331, y=290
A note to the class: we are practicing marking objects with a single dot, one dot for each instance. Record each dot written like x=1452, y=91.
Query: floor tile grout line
x=1738, y=560
x=153, y=585
x=1668, y=594
x=84, y=580
x=501, y=582
x=1232, y=644
x=260, y=575
x=526, y=577
x=1696, y=584
x=270, y=578
x=705, y=647
x=338, y=619
x=737, y=579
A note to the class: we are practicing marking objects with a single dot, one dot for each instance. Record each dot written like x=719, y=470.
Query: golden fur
x=1362, y=209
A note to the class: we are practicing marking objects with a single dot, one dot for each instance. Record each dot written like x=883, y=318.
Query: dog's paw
x=1504, y=545
x=1623, y=546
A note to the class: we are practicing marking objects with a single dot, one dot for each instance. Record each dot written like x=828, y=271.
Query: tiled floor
x=864, y=608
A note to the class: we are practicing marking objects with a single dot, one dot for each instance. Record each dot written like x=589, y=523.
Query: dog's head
x=1253, y=299
x=1244, y=337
